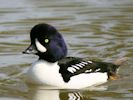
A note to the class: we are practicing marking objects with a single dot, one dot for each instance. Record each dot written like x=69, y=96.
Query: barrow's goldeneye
x=55, y=68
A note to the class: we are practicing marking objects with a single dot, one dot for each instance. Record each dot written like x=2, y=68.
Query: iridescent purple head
x=47, y=43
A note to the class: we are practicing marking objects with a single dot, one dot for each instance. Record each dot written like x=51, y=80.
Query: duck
x=55, y=68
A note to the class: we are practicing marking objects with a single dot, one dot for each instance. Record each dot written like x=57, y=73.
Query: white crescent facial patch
x=39, y=46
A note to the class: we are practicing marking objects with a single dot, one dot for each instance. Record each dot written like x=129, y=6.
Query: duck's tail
x=120, y=61
x=113, y=74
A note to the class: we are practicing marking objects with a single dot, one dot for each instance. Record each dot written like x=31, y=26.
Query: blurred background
x=97, y=29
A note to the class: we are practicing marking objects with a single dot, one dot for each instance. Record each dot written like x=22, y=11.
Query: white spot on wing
x=71, y=69
x=97, y=70
x=79, y=65
x=39, y=46
x=75, y=67
x=89, y=61
x=84, y=62
x=87, y=71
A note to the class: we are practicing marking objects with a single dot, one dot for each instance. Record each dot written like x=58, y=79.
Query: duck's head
x=47, y=43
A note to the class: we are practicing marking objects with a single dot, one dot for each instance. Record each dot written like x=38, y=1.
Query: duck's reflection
x=46, y=95
x=52, y=93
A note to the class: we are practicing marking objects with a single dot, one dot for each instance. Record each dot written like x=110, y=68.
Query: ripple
x=101, y=30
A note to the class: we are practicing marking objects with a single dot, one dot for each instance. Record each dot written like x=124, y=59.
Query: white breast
x=43, y=72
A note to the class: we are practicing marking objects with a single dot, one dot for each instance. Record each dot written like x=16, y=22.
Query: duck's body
x=54, y=74
x=54, y=68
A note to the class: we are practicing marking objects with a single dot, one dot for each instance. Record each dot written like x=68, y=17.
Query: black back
x=93, y=67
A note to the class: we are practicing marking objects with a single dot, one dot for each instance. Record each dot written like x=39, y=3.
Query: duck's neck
x=48, y=61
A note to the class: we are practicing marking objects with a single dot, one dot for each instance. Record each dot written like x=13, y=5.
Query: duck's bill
x=30, y=50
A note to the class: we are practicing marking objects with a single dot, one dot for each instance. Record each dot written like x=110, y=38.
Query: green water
x=98, y=29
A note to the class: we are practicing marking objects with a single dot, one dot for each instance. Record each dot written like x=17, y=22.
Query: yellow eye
x=46, y=40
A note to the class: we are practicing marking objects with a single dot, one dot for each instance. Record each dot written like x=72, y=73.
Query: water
x=101, y=30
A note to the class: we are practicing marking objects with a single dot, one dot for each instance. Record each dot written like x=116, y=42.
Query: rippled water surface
x=98, y=29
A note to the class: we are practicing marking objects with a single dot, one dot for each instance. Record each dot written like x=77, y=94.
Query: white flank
x=43, y=72
x=39, y=46
x=86, y=80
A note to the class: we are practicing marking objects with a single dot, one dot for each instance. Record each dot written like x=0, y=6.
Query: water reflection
x=45, y=95
x=53, y=93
